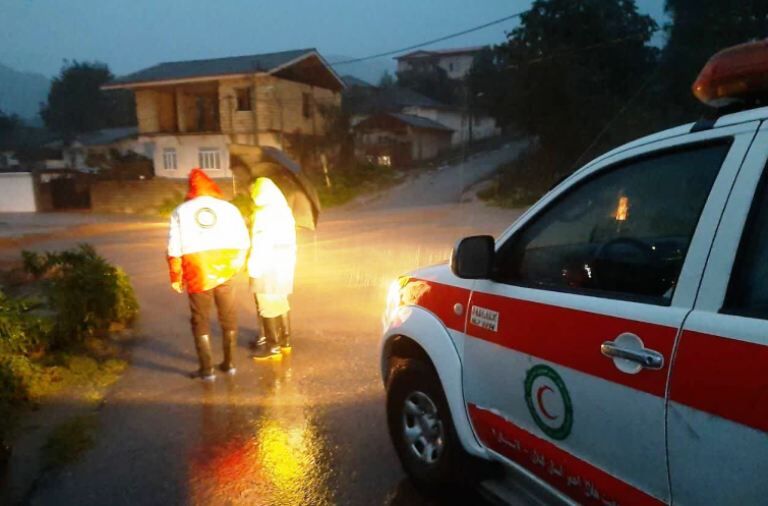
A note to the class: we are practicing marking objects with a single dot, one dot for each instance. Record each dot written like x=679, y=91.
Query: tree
x=10, y=124
x=699, y=29
x=76, y=103
x=432, y=82
x=386, y=80
x=570, y=68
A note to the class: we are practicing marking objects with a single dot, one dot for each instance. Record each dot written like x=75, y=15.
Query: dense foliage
x=76, y=103
x=582, y=77
x=86, y=292
x=57, y=340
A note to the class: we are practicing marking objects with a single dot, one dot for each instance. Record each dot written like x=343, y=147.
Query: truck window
x=748, y=288
x=622, y=233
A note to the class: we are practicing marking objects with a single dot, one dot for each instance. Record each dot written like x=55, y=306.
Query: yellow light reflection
x=622, y=209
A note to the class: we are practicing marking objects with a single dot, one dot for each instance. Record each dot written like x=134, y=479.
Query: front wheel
x=421, y=427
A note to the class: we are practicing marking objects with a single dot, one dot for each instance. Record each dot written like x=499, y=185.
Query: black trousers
x=200, y=309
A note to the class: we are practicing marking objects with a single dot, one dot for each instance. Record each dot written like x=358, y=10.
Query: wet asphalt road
x=305, y=430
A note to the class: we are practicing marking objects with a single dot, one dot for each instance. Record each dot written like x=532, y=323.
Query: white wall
x=187, y=150
x=482, y=126
x=457, y=66
x=17, y=193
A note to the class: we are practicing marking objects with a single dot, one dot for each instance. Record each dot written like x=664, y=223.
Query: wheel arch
x=418, y=334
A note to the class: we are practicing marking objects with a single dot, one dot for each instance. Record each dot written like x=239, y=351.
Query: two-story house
x=456, y=62
x=191, y=110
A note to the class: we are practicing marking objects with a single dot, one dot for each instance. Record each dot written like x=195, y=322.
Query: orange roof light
x=735, y=74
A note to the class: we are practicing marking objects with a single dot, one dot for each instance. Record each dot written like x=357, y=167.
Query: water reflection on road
x=273, y=454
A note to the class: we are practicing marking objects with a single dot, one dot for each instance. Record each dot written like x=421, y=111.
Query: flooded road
x=309, y=429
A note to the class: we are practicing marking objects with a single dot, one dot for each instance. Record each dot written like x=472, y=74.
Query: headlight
x=394, y=300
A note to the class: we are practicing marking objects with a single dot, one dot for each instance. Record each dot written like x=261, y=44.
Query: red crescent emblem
x=540, y=400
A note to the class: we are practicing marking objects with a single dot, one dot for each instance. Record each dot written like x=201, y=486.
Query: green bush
x=86, y=292
x=357, y=179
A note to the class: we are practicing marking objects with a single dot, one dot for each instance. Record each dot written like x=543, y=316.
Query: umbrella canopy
x=266, y=161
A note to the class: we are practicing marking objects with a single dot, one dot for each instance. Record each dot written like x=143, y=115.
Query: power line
x=621, y=111
x=433, y=41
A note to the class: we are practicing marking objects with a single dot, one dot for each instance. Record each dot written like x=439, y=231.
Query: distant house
x=463, y=124
x=191, y=110
x=75, y=154
x=456, y=62
x=400, y=139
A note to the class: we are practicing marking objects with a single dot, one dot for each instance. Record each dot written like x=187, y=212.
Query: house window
x=243, y=99
x=209, y=159
x=306, y=105
x=384, y=160
x=169, y=159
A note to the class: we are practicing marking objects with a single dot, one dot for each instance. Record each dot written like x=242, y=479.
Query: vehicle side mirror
x=472, y=258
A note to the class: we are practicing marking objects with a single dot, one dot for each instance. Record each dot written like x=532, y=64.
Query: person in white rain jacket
x=271, y=266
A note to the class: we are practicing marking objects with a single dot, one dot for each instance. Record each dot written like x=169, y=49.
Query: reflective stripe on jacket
x=207, y=243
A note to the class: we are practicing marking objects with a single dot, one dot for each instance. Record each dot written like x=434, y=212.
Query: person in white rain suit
x=271, y=266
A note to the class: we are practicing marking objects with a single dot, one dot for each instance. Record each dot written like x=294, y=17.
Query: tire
x=443, y=467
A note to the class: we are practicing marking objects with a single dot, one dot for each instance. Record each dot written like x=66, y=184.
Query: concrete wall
x=17, y=193
x=141, y=197
x=428, y=143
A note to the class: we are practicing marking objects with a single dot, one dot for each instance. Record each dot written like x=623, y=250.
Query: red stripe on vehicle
x=440, y=299
x=722, y=376
x=572, y=338
x=572, y=476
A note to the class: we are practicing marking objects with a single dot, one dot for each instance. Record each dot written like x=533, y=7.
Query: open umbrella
x=266, y=161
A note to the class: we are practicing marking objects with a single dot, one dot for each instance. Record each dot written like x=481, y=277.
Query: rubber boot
x=254, y=343
x=203, y=347
x=285, y=332
x=228, y=341
x=267, y=346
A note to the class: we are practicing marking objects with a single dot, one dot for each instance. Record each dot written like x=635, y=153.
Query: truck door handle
x=629, y=347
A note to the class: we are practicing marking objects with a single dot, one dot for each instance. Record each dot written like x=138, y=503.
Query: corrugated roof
x=419, y=122
x=213, y=67
x=392, y=99
x=408, y=119
x=355, y=81
x=106, y=136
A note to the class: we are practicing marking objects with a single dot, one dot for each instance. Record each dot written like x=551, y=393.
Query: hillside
x=22, y=92
x=369, y=70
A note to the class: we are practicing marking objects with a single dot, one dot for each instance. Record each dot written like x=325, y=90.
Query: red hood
x=200, y=185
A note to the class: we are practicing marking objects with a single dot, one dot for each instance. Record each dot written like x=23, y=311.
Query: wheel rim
x=422, y=427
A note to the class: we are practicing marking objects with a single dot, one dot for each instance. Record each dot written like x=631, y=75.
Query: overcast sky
x=131, y=34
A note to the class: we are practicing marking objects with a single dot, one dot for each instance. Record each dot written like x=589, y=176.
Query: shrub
x=20, y=331
x=86, y=292
x=350, y=182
